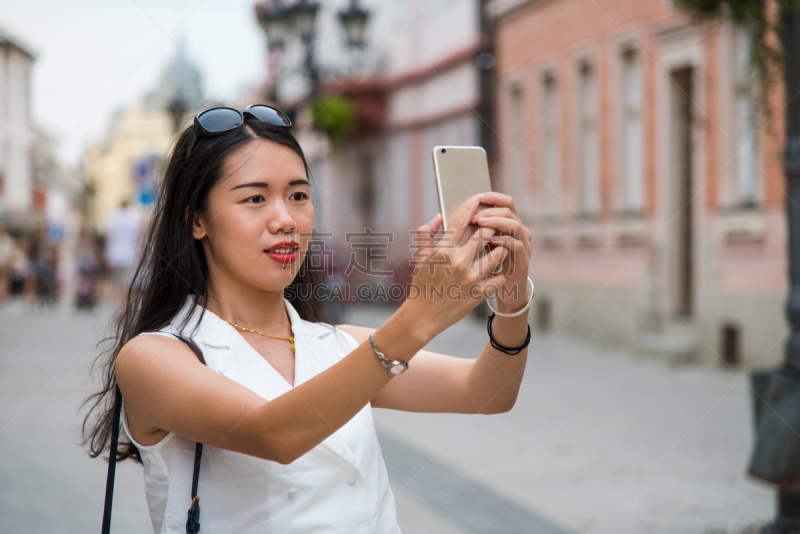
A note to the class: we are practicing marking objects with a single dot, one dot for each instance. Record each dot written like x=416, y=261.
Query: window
x=366, y=190
x=451, y=132
x=551, y=145
x=588, y=167
x=398, y=157
x=430, y=198
x=517, y=163
x=632, y=168
x=745, y=123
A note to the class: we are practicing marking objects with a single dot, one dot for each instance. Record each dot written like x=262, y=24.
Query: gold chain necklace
x=290, y=339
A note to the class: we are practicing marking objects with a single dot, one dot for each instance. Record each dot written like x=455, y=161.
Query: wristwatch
x=394, y=367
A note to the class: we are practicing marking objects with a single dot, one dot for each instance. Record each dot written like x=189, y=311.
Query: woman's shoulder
x=148, y=342
x=143, y=354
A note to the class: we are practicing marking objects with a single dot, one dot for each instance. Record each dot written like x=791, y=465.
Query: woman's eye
x=299, y=196
x=255, y=199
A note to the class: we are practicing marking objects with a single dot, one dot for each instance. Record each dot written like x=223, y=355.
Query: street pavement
x=600, y=441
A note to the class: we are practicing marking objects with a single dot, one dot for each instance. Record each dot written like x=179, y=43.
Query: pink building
x=630, y=139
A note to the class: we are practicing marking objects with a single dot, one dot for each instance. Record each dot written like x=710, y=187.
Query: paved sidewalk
x=600, y=441
x=47, y=482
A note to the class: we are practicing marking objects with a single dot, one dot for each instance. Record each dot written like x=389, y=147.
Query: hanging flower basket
x=333, y=115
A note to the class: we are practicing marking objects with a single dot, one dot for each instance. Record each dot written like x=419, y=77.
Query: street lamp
x=354, y=21
x=303, y=17
x=776, y=455
x=273, y=20
x=277, y=20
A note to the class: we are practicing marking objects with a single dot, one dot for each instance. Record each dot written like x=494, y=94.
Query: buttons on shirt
x=292, y=491
x=351, y=481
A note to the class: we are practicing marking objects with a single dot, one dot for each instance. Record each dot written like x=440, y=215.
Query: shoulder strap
x=112, y=462
x=193, y=522
x=193, y=519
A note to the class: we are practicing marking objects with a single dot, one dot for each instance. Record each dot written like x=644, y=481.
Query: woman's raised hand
x=511, y=284
x=450, y=277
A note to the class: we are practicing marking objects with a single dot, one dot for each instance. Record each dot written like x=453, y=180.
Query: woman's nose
x=280, y=219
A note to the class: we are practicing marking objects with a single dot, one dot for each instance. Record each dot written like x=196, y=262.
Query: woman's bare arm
x=449, y=384
x=490, y=384
x=166, y=389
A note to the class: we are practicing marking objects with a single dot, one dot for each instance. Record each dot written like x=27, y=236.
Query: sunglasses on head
x=217, y=121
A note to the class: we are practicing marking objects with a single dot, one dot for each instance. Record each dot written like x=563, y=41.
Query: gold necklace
x=290, y=339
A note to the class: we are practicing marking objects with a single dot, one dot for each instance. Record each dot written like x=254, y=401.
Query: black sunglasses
x=217, y=121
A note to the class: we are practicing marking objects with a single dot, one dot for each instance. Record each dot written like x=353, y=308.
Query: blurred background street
x=644, y=143
x=600, y=441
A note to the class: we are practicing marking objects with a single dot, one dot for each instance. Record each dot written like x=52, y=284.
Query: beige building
x=125, y=163
x=136, y=133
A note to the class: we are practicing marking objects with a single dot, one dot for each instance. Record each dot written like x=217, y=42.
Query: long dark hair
x=173, y=266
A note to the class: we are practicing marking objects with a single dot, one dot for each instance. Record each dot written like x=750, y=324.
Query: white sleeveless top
x=340, y=486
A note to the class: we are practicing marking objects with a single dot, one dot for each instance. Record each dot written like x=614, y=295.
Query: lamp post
x=776, y=455
x=354, y=21
x=277, y=21
x=272, y=20
x=303, y=14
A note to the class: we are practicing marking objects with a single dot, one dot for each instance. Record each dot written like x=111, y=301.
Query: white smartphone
x=460, y=172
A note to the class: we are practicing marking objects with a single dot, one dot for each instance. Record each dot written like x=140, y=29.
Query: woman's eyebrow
x=264, y=185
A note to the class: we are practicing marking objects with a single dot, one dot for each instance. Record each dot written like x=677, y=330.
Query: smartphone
x=460, y=172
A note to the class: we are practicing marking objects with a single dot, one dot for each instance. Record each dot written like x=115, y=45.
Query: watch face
x=397, y=368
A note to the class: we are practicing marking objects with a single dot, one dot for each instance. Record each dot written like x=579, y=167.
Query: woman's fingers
x=424, y=238
x=516, y=265
x=493, y=198
x=479, y=242
x=460, y=220
x=494, y=212
x=490, y=261
x=504, y=226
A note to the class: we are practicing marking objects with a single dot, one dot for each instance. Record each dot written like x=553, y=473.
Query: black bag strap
x=193, y=521
x=112, y=462
x=193, y=516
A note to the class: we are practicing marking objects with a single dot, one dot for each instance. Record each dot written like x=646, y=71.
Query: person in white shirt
x=123, y=238
x=283, y=402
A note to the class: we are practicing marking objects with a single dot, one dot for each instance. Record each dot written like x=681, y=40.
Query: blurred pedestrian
x=47, y=283
x=216, y=348
x=18, y=270
x=7, y=246
x=123, y=234
x=41, y=271
x=88, y=269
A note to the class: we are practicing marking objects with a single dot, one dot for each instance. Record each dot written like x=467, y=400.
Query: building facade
x=37, y=191
x=632, y=141
x=124, y=165
x=415, y=85
x=431, y=91
x=16, y=136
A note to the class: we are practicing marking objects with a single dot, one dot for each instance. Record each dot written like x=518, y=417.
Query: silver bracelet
x=515, y=314
x=394, y=367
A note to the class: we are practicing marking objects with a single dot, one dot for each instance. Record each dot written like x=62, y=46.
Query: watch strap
x=386, y=362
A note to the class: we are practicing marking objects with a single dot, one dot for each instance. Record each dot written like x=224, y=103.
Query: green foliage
x=766, y=30
x=333, y=115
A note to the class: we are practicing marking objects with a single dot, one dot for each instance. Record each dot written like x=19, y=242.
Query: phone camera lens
x=444, y=151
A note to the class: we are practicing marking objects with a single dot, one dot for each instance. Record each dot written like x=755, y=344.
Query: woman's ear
x=198, y=226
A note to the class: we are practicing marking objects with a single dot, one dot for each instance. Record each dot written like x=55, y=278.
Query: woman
x=283, y=401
